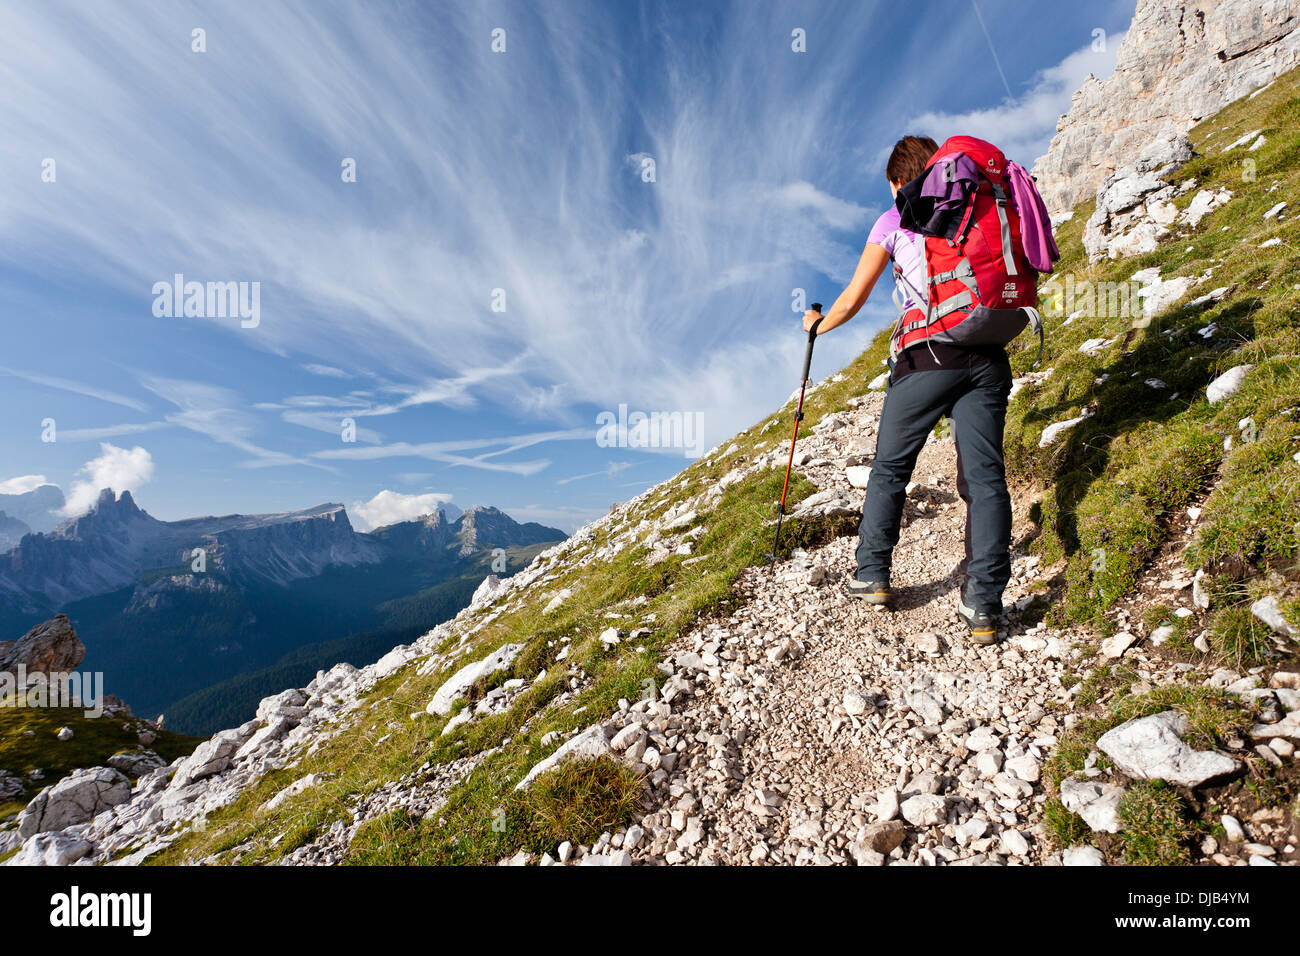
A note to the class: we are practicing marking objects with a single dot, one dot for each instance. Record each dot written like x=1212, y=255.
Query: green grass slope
x=28, y=742
x=1116, y=484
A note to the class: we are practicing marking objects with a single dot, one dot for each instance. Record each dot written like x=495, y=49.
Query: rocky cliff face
x=290, y=550
x=480, y=528
x=428, y=534
x=477, y=529
x=1179, y=63
x=99, y=551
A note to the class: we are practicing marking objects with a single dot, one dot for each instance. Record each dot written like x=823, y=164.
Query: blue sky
x=476, y=171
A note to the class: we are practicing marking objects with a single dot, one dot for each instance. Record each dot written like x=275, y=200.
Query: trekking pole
x=798, y=417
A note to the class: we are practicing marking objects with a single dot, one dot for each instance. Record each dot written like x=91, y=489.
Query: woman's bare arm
x=871, y=266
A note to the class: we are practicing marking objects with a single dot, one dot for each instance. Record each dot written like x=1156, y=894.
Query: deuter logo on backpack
x=987, y=239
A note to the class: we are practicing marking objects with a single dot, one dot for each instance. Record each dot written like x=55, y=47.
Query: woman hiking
x=967, y=383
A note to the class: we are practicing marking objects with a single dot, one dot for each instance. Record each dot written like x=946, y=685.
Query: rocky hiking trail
x=829, y=730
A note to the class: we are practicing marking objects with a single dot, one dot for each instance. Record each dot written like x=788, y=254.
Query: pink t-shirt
x=907, y=249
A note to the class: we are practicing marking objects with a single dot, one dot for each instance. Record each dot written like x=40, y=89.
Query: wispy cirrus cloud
x=328, y=371
x=449, y=451
x=465, y=187
x=841, y=214
x=216, y=412
x=326, y=413
x=77, y=388
x=108, y=431
x=609, y=471
x=454, y=392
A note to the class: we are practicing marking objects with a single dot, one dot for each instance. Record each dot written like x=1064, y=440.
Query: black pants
x=975, y=400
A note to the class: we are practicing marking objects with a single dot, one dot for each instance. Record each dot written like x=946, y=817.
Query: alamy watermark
x=18, y=689
x=975, y=693
x=624, y=429
x=75, y=908
x=209, y=300
x=1083, y=298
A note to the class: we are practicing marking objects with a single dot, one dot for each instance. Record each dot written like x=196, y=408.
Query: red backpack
x=982, y=289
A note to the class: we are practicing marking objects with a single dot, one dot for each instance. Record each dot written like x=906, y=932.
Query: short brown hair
x=909, y=157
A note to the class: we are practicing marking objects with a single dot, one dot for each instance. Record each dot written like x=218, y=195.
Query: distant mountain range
x=35, y=510
x=116, y=542
x=169, y=608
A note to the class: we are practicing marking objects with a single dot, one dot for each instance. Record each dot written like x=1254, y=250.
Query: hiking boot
x=983, y=625
x=873, y=592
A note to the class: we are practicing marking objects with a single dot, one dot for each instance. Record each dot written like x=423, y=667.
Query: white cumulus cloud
x=22, y=484
x=390, y=507
x=118, y=468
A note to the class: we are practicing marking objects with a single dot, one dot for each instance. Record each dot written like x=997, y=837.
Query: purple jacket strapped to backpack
x=948, y=189
x=1035, y=224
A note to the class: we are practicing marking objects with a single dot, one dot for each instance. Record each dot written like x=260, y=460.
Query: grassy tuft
x=1238, y=637
x=577, y=801
x=1156, y=828
x=1064, y=827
